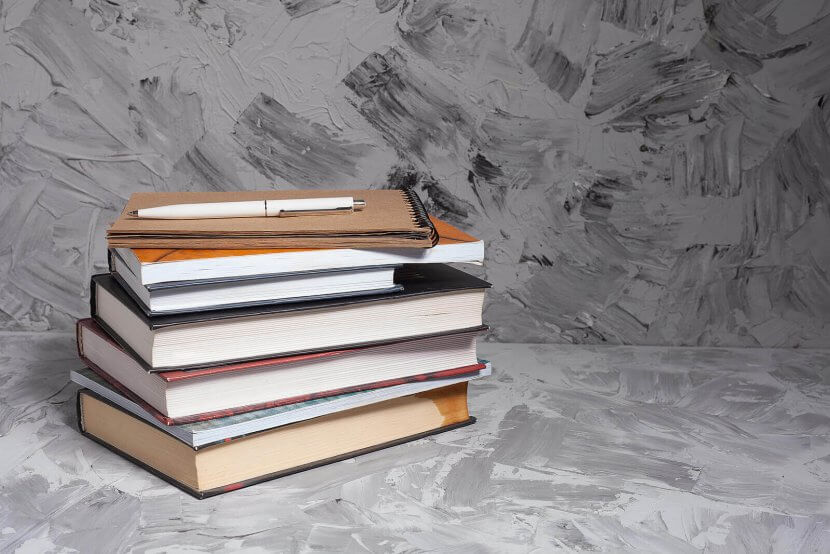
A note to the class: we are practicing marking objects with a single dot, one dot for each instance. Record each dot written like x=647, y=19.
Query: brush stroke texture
x=650, y=18
x=411, y=109
x=642, y=171
x=281, y=145
x=556, y=42
x=646, y=83
x=299, y=8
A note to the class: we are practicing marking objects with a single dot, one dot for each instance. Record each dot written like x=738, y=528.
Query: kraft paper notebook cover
x=392, y=218
x=276, y=452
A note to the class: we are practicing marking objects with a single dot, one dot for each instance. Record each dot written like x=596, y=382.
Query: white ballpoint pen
x=253, y=208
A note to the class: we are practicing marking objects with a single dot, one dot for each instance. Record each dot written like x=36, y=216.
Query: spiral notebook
x=391, y=219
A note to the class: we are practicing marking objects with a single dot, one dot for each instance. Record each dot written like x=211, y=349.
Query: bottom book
x=276, y=452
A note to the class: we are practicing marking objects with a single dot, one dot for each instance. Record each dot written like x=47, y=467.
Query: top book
x=391, y=219
x=152, y=266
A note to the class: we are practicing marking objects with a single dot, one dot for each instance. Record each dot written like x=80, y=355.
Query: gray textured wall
x=643, y=171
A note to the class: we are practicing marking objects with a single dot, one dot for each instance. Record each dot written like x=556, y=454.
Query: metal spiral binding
x=419, y=214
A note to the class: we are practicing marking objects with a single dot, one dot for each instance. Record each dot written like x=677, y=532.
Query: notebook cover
x=392, y=218
x=443, y=374
x=178, y=375
x=448, y=234
x=268, y=477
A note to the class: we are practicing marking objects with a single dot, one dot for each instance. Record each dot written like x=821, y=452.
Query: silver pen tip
x=358, y=204
x=133, y=213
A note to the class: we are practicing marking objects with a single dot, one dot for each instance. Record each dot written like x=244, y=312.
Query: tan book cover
x=237, y=463
x=392, y=218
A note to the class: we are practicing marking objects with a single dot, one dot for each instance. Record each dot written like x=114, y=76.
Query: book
x=157, y=266
x=391, y=219
x=434, y=299
x=234, y=293
x=276, y=452
x=199, y=394
x=230, y=427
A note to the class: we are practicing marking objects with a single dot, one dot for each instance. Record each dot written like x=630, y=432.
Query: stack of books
x=216, y=366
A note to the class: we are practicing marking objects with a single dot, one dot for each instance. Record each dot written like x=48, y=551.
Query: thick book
x=391, y=219
x=198, y=434
x=161, y=267
x=435, y=299
x=273, y=453
x=199, y=394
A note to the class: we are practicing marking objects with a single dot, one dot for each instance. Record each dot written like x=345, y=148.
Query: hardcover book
x=198, y=434
x=236, y=293
x=435, y=299
x=175, y=397
x=273, y=453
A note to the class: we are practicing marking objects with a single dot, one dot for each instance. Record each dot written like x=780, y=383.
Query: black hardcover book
x=120, y=315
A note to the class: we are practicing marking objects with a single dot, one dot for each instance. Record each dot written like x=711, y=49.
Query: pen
x=253, y=208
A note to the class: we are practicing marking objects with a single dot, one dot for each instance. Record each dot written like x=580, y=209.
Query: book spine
x=80, y=415
x=129, y=395
x=92, y=299
x=79, y=412
x=79, y=343
x=131, y=293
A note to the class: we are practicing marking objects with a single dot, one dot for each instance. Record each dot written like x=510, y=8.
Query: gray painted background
x=643, y=171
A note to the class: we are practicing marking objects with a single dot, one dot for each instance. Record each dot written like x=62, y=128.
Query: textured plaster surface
x=576, y=448
x=643, y=171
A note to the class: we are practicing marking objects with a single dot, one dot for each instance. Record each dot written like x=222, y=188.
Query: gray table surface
x=576, y=449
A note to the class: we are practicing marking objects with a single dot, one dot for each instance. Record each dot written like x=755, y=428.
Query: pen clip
x=332, y=211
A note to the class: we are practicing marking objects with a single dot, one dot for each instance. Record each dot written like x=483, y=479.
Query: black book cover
x=415, y=279
x=247, y=483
